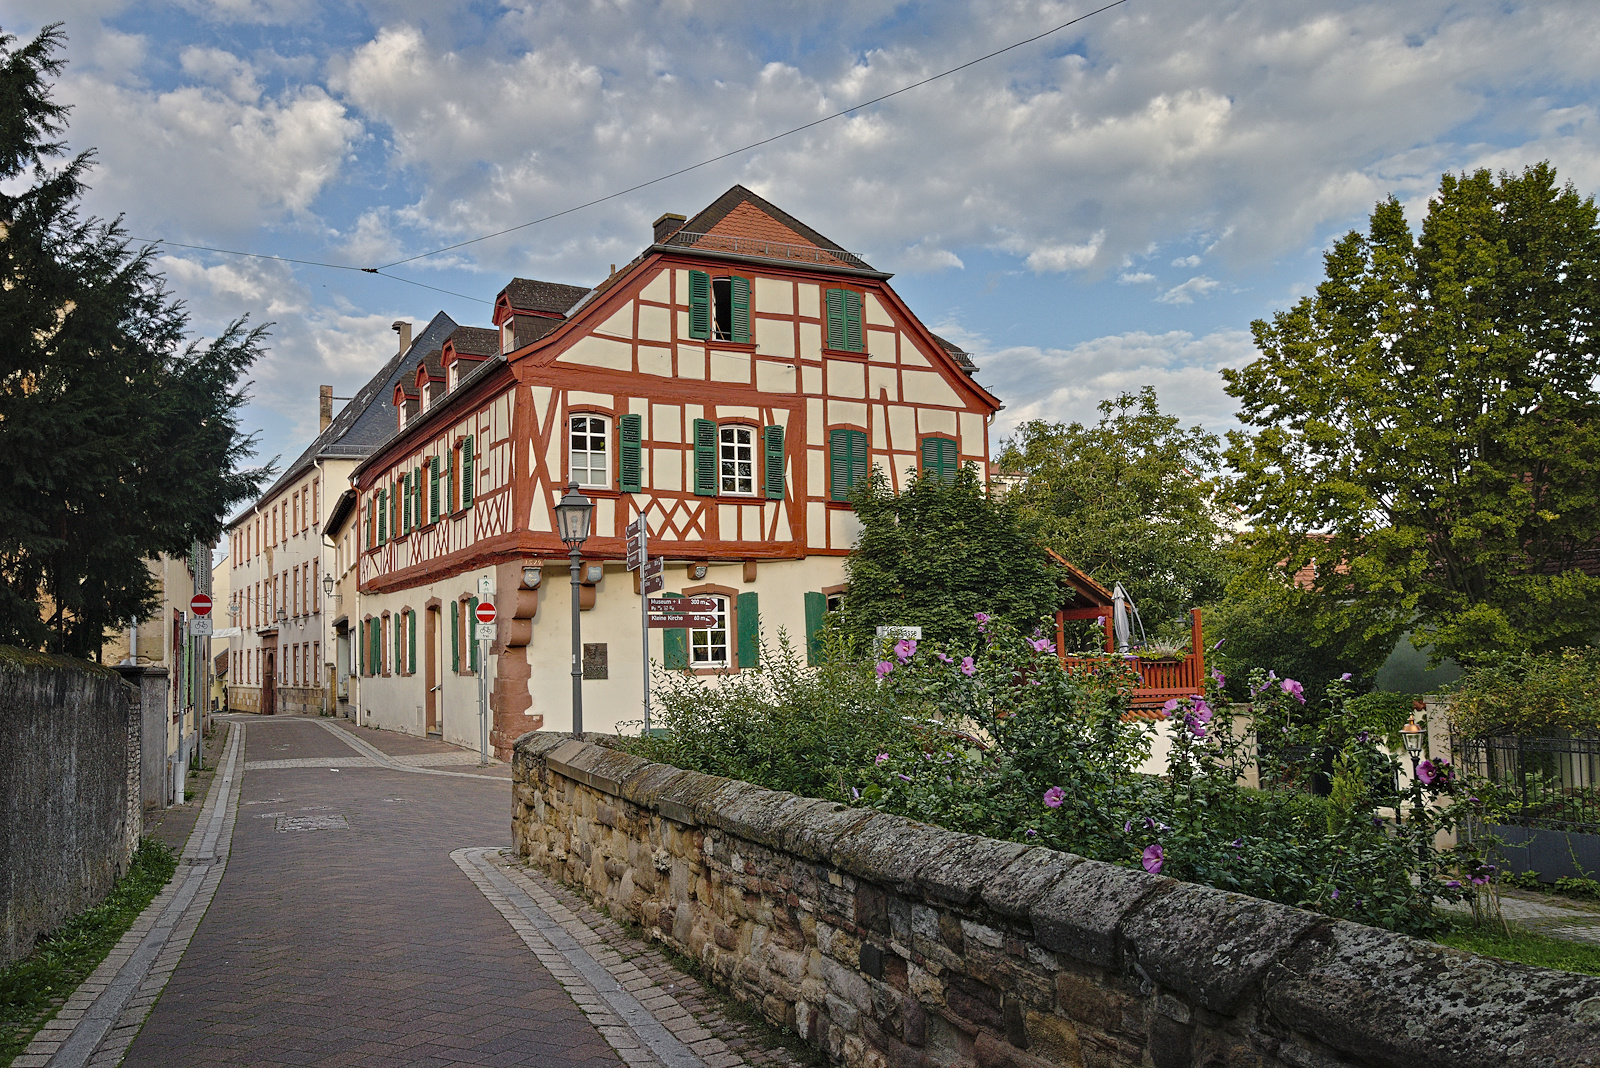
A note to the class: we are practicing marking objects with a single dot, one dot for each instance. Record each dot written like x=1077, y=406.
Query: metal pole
x=483, y=699
x=644, y=612
x=577, y=647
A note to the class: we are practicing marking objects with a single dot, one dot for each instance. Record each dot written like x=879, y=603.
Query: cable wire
x=757, y=144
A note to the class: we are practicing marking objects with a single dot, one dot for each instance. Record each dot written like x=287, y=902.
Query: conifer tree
x=119, y=438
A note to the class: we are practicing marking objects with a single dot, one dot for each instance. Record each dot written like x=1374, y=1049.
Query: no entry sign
x=200, y=604
x=486, y=612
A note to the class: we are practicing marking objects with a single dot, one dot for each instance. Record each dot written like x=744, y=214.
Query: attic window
x=508, y=335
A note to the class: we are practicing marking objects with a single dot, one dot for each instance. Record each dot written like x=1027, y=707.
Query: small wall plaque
x=594, y=660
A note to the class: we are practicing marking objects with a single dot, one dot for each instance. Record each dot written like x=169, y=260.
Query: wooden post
x=1197, y=649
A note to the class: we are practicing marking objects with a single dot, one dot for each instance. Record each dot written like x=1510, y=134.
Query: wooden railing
x=1160, y=680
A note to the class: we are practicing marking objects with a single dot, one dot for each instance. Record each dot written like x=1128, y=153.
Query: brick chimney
x=324, y=407
x=668, y=225
x=403, y=328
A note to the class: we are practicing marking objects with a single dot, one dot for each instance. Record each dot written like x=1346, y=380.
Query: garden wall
x=892, y=943
x=70, y=816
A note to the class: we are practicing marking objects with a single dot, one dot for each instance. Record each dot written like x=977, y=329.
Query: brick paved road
x=363, y=945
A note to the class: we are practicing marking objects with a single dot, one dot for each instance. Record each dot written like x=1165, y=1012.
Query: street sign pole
x=644, y=614
x=483, y=629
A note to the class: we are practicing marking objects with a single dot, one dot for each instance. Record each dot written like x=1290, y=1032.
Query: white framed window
x=587, y=460
x=709, y=648
x=736, y=455
x=508, y=335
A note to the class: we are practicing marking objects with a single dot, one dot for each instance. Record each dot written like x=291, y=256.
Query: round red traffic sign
x=485, y=612
x=200, y=604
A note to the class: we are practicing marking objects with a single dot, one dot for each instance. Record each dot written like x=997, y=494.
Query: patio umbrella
x=1121, y=627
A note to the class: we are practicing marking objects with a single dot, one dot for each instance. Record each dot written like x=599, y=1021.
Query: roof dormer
x=527, y=309
x=466, y=346
x=407, y=404
x=431, y=380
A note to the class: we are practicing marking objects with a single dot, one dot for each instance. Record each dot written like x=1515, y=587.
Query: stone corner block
x=1081, y=914
x=1389, y=999
x=536, y=744
x=1209, y=945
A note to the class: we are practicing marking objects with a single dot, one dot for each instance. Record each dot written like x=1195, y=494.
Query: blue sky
x=1103, y=209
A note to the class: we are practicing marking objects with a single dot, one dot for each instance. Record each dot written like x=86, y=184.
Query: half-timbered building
x=732, y=385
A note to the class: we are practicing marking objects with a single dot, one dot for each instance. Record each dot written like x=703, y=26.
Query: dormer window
x=508, y=335
x=455, y=375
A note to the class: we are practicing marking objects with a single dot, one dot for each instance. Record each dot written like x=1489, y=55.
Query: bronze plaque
x=594, y=660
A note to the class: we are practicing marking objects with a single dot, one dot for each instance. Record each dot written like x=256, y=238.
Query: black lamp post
x=1415, y=738
x=572, y=521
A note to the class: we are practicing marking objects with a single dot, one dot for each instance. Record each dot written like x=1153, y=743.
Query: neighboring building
x=279, y=662
x=340, y=530
x=220, y=643
x=732, y=383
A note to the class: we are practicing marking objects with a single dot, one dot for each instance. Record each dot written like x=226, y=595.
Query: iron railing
x=749, y=246
x=1552, y=782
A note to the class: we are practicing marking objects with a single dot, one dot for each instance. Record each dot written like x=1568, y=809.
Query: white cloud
x=1198, y=286
x=1131, y=278
x=1065, y=384
x=1186, y=261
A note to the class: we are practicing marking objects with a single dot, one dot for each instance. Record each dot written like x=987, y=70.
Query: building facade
x=731, y=385
x=280, y=660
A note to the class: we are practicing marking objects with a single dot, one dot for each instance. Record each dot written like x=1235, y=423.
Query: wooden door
x=269, y=681
x=432, y=677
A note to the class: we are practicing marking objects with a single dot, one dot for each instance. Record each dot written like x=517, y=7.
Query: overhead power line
x=379, y=271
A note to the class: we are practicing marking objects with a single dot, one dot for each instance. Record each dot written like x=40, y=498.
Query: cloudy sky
x=1105, y=208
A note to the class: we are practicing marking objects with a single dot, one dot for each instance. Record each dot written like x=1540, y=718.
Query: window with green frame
x=847, y=462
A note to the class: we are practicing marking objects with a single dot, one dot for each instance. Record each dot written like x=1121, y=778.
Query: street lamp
x=327, y=585
x=572, y=521
x=1414, y=737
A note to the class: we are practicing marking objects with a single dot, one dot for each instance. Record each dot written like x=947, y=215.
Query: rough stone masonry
x=886, y=942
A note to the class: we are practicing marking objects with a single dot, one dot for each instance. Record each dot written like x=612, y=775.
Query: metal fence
x=1552, y=783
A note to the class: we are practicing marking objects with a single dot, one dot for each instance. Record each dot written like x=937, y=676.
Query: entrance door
x=433, y=678
x=269, y=681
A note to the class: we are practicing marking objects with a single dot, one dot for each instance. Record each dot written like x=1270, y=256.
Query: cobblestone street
x=368, y=917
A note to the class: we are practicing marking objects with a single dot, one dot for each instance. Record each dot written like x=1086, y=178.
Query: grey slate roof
x=532, y=295
x=368, y=419
x=475, y=341
x=963, y=358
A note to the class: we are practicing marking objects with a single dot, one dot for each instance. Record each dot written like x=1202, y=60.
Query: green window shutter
x=383, y=516
x=433, y=489
x=939, y=458
x=858, y=457
x=472, y=637
x=466, y=471
x=772, y=461
x=411, y=642
x=838, y=465
x=739, y=290
x=406, y=517
x=835, y=302
x=705, y=458
x=447, y=483
x=699, y=305
x=852, y=321
x=396, y=625
x=630, y=433
x=749, y=613
x=816, y=610
x=675, y=644
x=416, y=498
x=455, y=635
x=361, y=647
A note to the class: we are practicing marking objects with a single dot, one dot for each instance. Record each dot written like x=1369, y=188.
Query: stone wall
x=887, y=942
x=70, y=816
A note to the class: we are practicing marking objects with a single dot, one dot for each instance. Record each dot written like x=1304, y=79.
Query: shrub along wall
x=70, y=816
x=887, y=942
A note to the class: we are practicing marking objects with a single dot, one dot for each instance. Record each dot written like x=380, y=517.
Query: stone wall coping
x=1381, y=997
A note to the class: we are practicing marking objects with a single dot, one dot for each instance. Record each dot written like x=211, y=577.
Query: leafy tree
x=1428, y=428
x=1130, y=500
x=118, y=440
x=940, y=552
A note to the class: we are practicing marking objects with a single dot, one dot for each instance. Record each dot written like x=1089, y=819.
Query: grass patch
x=1526, y=947
x=33, y=988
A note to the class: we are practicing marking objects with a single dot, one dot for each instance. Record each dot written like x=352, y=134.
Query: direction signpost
x=639, y=558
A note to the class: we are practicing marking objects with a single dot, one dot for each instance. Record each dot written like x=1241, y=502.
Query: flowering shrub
x=1002, y=740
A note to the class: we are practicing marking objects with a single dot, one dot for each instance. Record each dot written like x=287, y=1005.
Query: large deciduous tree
x=1427, y=427
x=119, y=439
x=1131, y=499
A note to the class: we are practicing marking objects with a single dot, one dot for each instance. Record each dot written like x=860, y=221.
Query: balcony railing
x=1160, y=680
x=749, y=246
